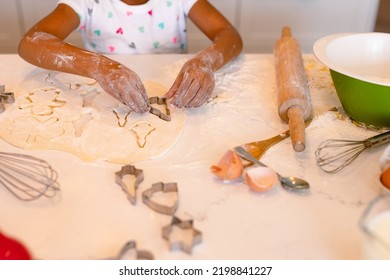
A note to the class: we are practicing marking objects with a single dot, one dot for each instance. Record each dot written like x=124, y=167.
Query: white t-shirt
x=113, y=27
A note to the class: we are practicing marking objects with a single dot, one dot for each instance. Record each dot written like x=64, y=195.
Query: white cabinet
x=33, y=11
x=10, y=28
x=260, y=21
x=196, y=39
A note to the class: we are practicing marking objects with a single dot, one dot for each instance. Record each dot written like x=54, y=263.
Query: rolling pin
x=293, y=91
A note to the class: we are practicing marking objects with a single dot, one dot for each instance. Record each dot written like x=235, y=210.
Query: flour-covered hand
x=123, y=84
x=194, y=84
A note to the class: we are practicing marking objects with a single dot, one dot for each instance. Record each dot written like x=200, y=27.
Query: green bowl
x=359, y=64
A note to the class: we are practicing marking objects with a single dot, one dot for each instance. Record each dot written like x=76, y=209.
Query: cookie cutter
x=184, y=245
x=5, y=98
x=130, y=249
x=2, y=105
x=148, y=194
x=160, y=101
x=139, y=177
x=8, y=97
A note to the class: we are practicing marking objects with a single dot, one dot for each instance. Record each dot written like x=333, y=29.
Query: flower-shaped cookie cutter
x=160, y=101
x=185, y=245
x=132, y=189
x=147, y=197
x=130, y=249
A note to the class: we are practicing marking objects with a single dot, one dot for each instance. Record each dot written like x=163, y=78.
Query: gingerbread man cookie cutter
x=147, y=197
x=185, y=245
x=160, y=101
x=129, y=189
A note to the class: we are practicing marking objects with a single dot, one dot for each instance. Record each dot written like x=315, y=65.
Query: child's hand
x=194, y=84
x=123, y=84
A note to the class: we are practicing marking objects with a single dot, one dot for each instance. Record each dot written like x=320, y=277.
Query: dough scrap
x=73, y=114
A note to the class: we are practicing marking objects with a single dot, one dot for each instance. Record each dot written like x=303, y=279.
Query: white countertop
x=91, y=217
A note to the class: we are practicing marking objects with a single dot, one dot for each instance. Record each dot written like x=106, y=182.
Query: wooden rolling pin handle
x=297, y=128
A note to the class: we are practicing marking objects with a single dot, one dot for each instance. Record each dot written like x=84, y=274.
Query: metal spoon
x=289, y=183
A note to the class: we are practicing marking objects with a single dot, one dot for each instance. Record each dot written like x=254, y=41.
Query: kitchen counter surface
x=91, y=217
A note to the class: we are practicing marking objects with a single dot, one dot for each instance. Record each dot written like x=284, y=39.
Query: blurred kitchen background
x=259, y=21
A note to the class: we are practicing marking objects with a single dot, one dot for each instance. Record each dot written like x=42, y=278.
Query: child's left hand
x=194, y=84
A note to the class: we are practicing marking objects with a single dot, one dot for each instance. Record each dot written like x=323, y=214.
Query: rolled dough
x=73, y=114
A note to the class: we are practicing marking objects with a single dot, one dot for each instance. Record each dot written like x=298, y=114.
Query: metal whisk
x=334, y=154
x=27, y=177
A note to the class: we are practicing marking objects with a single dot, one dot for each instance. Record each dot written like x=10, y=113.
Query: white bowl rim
x=319, y=51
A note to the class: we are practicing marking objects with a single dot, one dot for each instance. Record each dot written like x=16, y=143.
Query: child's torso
x=113, y=26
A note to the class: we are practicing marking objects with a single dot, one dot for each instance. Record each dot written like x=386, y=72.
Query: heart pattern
x=120, y=30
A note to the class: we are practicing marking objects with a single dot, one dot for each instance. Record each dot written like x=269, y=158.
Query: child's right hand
x=123, y=84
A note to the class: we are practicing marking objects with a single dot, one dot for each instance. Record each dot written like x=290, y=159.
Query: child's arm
x=195, y=82
x=43, y=46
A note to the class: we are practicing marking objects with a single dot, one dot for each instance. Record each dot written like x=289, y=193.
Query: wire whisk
x=27, y=177
x=334, y=154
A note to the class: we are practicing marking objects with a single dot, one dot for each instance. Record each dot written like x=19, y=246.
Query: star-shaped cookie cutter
x=139, y=177
x=186, y=246
x=160, y=101
x=160, y=187
x=130, y=248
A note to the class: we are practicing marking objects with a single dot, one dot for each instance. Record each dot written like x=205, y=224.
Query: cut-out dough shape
x=80, y=124
x=142, y=130
x=42, y=102
x=85, y=123
x=121, y=116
